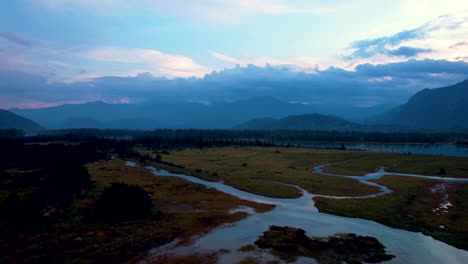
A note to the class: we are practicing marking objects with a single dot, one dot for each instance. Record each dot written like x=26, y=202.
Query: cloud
x=433, y=40
x=459, y=44
x=155, y=61
x=16, y=39
x=58, y=63
x=415, y=68
x=300, y=64
x=200, y=10
x=368, y=84
x=407, y=52
x=385, y=45
x=226, y=58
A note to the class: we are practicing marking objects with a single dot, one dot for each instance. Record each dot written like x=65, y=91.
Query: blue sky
x=70, y=41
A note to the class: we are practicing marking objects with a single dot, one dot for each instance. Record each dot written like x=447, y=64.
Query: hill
x=441, y=109
x=9, y=120
x=301, y=122
x=154, y=115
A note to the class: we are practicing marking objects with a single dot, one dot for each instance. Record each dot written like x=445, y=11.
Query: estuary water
x=446, y=149
x=408, y=247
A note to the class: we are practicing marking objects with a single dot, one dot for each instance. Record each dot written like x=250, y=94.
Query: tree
x=442, y=171
x=158, y=158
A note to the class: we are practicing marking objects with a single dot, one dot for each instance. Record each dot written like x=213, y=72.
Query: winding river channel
x=408, y=247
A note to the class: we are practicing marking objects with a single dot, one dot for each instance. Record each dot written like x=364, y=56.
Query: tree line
x=203, y=137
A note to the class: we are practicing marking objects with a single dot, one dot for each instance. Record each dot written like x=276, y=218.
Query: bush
x=20, y=213
x=123, y=202
x=158, y=158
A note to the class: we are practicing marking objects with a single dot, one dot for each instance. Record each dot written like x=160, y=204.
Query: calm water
x=409, y=247
x=446, y=149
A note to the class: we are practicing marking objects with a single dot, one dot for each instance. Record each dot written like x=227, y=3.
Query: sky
x=63, y=51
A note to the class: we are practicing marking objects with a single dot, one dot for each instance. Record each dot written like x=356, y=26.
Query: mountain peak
x=301, y=122
x=9, y=120
x=99, y=102
x=440, y=109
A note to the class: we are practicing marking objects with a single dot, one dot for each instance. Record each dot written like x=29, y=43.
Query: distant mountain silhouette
x=9, y=120
x=161, y=115
x=441, y=109
x=82, y=122
x=302, y=122
x=153, y=115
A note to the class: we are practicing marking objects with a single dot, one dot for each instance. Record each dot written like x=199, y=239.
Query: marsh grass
x=267, y=168
x=410, y=207
x=403, y=163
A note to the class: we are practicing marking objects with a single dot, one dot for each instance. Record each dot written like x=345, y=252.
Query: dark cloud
x=369, y=84
x=426, y=68
x=16, y=39
x=406, y=35
x=369, y=48
x=407, y=52
x=459, y=44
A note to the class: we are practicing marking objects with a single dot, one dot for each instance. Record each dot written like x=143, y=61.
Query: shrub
x=20, y=213
x=158, y=158
x=123, y=202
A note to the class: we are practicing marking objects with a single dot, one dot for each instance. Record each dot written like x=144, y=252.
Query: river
x=408, y=247
x=446, y=149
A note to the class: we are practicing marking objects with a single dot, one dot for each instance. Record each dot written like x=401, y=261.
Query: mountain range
x=222, y=115
x=442, y=109
x=302, y=122
x=9, y=120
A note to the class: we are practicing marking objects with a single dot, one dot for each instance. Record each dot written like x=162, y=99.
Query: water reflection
x=446, y=149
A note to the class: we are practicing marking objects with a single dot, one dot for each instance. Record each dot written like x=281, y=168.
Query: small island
x=289, y=243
